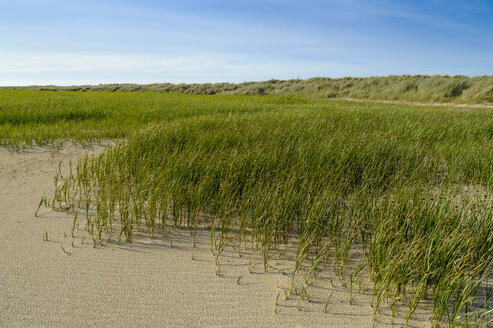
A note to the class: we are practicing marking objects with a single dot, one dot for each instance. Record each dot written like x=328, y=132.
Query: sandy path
x=416, y=103
x=148, y=283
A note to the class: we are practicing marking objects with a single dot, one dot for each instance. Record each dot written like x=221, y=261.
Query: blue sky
x=68, y=42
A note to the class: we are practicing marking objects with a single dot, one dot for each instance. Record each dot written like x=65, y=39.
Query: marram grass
x=437, y=88
x=411, y=186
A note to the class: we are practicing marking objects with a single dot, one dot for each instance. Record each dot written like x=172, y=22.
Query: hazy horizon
x=220, y=82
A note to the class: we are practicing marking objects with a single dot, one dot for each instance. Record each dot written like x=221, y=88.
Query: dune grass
x=399, y=192
x=419, y=88
x=410, y=186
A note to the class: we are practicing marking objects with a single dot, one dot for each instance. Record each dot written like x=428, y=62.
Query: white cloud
x=73, y=62
x=79, y=68
x=76, y=68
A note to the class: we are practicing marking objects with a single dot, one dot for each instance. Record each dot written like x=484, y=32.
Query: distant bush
x=456, y=88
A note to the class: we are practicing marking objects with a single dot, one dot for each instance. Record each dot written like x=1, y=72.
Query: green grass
x=405, y=192
x=44, y=118
x=455, y=89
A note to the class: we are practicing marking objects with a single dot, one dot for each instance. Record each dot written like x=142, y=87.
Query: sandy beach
x=66, y=282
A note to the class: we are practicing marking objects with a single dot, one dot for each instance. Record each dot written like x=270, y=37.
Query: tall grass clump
x=410, y=186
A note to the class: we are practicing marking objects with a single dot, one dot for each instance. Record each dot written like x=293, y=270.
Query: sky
x=73, y=42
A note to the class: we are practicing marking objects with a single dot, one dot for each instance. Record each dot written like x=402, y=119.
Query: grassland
x=400, y=193
x=417, y=88
x=42, y=118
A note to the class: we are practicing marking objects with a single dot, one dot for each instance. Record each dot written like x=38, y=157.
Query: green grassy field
x=403, y=193
x=42, y=118
x=421, y=88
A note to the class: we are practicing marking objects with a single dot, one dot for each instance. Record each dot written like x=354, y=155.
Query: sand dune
x=66, y=282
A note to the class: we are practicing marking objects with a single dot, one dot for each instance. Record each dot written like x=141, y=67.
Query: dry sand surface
x=418, y=103
x=146, y=284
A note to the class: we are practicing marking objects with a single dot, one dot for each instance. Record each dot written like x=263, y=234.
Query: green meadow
x=399, y=194
x=420, y=88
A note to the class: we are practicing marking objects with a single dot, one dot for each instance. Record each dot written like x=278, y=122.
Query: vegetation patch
x=415, y=88
x=410, y=185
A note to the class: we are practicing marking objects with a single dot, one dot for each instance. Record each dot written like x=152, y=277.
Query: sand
x=417, y=103
x=145, y=284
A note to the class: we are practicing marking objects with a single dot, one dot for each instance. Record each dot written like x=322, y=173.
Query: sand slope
x=147, y=284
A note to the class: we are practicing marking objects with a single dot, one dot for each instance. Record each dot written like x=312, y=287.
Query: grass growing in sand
x=409, y=186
